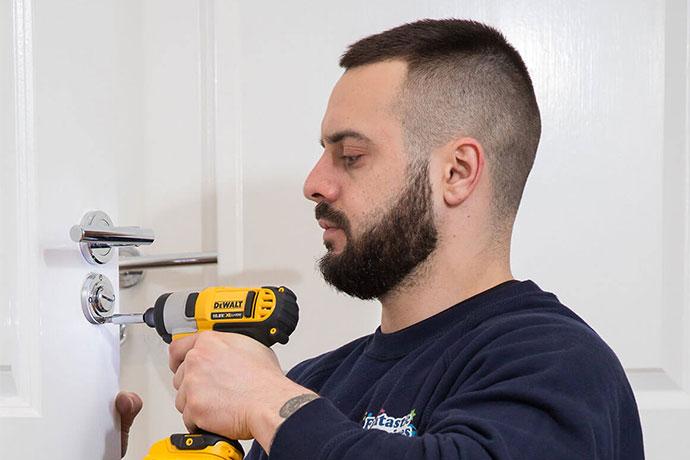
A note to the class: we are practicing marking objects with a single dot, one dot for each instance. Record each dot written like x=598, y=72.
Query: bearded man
x=428, y=138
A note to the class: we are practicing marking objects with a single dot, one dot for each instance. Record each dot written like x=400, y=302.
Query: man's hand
x=128, y=406
x=230, y=385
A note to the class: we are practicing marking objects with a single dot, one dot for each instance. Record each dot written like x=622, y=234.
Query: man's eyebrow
x=339, y=136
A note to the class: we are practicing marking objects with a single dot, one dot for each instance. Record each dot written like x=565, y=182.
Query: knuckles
x=207, y=339
x=178, y=403
x=192, y=358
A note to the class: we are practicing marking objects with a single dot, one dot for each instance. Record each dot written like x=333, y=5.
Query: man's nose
x=320, y=184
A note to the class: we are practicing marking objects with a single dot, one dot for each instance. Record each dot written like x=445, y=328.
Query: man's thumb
x=128, y=405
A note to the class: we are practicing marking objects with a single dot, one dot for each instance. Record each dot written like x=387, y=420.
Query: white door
x=604, y=222
x=65, y=118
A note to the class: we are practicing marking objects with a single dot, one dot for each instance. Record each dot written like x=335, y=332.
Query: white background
x=200, y=120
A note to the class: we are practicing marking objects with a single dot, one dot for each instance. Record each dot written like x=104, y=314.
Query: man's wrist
x=282, y=404
x=292, y=405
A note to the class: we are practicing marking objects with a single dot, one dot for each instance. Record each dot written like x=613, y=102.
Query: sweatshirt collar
x=398, y=344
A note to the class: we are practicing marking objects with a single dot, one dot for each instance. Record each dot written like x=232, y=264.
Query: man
x=428, y=138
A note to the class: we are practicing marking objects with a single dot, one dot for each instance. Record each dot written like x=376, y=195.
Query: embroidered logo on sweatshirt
x=400, y=425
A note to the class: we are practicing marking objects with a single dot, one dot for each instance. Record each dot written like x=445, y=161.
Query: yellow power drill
x=267, y=314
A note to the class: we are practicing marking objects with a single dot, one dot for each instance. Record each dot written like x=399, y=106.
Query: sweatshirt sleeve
x=524, y=395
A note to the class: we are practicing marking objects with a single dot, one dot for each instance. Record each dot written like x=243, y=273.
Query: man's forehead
x=363, y=99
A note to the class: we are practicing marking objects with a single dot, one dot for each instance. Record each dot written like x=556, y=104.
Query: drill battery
x=196, y=446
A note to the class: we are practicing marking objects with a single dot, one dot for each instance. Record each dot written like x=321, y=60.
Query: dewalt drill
x=267, y=314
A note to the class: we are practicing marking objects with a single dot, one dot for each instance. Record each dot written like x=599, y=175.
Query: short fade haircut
x=463, y=79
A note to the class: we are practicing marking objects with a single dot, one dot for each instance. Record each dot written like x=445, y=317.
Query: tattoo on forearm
x=291, y=406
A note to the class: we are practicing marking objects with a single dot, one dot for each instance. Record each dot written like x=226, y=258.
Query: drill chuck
x=148, y=318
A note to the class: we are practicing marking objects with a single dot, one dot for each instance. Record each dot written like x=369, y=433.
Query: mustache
x=325, y=211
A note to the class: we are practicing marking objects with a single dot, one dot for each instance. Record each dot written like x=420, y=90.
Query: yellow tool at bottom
x=196, y=446
x=267, y=314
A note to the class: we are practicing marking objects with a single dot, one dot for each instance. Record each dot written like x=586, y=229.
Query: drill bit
x=133, y=318
x=130, y=318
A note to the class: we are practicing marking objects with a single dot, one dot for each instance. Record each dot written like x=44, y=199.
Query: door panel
x=19, y=353
x=66, y=101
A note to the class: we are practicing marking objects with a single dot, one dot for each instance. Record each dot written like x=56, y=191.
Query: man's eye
x=350, y=160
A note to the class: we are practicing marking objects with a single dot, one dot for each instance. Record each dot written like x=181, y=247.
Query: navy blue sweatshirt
x=510, y=373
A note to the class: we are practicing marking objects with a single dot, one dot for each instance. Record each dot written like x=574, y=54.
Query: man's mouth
x=324, y=224
x=330, y=219
x=329, y=229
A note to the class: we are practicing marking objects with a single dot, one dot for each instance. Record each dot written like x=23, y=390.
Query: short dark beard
x=390, y=249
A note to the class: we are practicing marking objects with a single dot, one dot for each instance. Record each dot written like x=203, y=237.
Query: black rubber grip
x=190, y=305
x=158, y=317
x=249, y=304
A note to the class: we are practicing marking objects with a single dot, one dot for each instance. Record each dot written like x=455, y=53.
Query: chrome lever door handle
x=103, y=237
x=97, y=237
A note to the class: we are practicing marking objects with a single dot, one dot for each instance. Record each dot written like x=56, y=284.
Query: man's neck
x=439, y=284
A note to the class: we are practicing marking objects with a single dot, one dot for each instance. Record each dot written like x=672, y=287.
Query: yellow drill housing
x=195, y=447
x=268, y=314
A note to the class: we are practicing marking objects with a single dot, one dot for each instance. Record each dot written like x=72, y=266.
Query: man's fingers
x=128, y=405
x=178, y=377
x=178, y=350
x=180, y=401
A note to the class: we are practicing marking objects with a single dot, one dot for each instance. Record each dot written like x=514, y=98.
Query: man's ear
x=463, y=165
